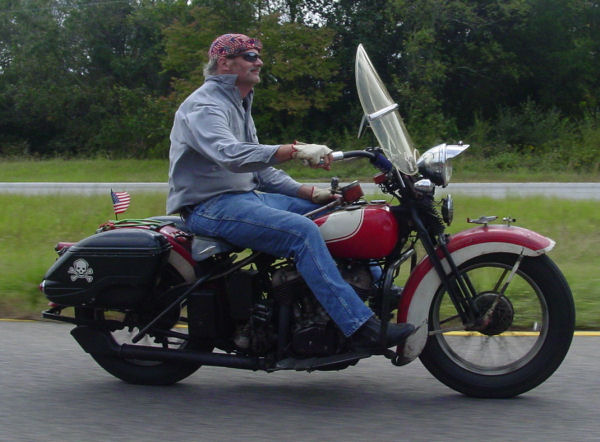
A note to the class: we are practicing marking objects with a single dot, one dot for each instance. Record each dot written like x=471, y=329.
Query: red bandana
x=232, y=44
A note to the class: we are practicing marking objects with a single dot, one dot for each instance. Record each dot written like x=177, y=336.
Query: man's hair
x=210, y=68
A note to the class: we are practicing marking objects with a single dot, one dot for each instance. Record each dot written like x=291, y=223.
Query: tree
x=457, y=60
x=76, y=76
x=34, y=81
x=80, y=76
x=560, y=45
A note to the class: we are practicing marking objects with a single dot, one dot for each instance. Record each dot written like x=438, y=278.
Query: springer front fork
x=458, y=285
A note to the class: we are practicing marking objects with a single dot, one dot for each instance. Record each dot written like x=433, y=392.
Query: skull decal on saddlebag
x=81, y=270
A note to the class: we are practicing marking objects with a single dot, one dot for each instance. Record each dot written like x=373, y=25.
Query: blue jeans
x=272, y=223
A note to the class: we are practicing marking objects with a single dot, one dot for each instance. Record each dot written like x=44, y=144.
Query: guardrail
x=582, y=191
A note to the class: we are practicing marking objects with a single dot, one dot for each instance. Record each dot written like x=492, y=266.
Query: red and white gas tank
x=360, y=232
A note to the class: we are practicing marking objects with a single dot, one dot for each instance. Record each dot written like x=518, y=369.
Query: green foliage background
x=517, y=78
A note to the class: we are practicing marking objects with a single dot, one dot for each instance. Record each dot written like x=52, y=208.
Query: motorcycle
x=152, y=303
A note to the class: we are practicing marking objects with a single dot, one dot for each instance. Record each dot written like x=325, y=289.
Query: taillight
x=62, y=247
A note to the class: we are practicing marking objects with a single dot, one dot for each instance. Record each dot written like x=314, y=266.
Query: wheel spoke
x=513, y=271
x=500, y=279
x=451, y=318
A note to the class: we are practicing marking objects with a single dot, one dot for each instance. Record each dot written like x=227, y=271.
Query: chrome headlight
x=435, y=163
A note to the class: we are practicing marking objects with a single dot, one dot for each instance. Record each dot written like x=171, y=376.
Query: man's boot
x=368, y=335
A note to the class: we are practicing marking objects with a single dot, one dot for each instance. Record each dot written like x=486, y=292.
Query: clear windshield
x=387, y=125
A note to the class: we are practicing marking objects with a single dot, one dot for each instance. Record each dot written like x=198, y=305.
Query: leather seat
x=203, y=247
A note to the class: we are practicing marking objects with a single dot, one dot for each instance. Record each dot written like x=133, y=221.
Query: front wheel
x=528, y=331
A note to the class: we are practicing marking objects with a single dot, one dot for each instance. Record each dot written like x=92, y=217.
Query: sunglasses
x=248, y=56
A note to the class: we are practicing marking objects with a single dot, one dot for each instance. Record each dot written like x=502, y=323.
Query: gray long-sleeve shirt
x=215, y=150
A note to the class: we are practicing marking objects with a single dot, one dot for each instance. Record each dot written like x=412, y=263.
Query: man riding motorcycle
x=222, y=182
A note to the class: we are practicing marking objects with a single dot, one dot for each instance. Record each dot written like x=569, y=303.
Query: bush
x=529, y=137
x=14, y=149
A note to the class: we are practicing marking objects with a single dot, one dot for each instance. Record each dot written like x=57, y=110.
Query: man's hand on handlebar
x=316, y=155
x=316, y=194
x=313, y=155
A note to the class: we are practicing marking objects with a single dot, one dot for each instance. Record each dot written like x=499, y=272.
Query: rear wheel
x=143, y=372
x=528, y=331
x=170, y=332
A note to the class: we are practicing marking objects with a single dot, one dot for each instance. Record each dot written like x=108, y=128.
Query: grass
x=467, y=169
x=93, y=170
x=30, y=226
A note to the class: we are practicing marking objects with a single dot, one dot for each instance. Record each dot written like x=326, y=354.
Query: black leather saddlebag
x=114, y=269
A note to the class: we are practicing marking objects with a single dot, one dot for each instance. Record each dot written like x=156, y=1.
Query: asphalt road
x=50, y=390
x=590, y=191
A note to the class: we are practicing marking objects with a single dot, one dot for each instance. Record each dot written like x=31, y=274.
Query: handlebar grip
x=337, y=155
x=378, y=160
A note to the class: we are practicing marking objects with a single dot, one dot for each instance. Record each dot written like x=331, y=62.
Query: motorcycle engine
x=313, y=331
x=358, y=275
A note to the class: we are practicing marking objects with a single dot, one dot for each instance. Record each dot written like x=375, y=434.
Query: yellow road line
x=587, y=333
x=519, y=333
x=454, y=333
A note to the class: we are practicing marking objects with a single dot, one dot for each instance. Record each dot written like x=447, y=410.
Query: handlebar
x=377, y=159
x=340, y=155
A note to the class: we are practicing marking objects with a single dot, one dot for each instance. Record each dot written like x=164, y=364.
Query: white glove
x=321, y=196
x=312, y=153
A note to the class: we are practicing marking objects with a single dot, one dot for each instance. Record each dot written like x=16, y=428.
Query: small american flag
x=120, y=200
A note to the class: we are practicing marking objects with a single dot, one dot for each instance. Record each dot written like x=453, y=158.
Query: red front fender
x=530, y=240
x=424, y=280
